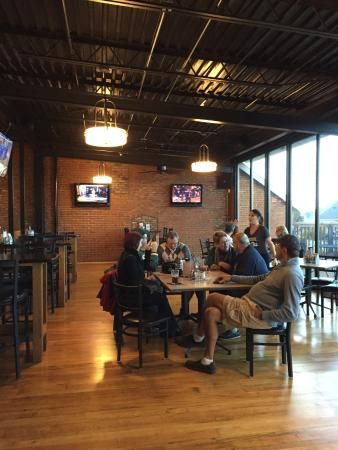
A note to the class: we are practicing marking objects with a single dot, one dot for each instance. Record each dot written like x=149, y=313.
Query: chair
x=133, y=320
x=284, y=343
x=328, y=289
x=12, y=302
x=205, y=244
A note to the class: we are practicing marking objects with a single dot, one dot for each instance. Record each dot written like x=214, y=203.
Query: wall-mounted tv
x=186, y=194
x=5, y=154
x=91, y=194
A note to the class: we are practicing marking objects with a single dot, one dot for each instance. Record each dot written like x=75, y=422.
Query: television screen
x=92, y=194
x=5, y=153
x=186, y=194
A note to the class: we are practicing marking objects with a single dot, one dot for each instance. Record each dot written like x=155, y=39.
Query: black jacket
x=131, y=267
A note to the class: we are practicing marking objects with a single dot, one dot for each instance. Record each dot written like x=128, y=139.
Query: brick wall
x=133, y=193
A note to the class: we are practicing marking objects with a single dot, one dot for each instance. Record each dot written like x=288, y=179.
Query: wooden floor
x=80, y=398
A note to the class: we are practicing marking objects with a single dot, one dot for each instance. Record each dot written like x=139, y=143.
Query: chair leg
x=282, y=340
x=51, y=286
x=16, y=339
x=322, y=305
x=140, y=347
x=289, y=356
x=27, y=337
x=119, y=334
x=166, y=340
x=250, y=350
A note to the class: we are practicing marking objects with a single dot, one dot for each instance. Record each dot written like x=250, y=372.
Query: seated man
x=169, y=253
x=274, y=297
x=172, y=251
x=250, y=263
x=222, y=255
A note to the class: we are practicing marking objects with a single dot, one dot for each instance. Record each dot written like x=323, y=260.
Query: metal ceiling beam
x=155, y=72
x=242, y=118
x=200, y=14
x=209, y=55
x=64, y=119
x=128, y=86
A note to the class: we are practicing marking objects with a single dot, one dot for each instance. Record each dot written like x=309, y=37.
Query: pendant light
x=101, y=177
x=204, y=165
x=105, y=132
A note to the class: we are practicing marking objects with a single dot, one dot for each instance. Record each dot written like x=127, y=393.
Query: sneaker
x=188, y=341
x=199, y=367
x=230, y=334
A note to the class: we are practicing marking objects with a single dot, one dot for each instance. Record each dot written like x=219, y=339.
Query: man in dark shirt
x=249, y=261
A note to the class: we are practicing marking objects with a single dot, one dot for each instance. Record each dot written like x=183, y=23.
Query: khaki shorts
x=239, y=312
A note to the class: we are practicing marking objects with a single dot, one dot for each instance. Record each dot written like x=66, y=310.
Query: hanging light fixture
x=204, y=164
x=101, y=177
x=105, y=132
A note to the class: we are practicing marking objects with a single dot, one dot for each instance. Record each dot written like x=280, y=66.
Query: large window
x=328, y=196
x=244, y=194
x=293, y=177
x=258, y=175
x=277, y=177
x=303, y=191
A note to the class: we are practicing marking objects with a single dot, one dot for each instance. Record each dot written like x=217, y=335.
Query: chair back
x=205, y=244
x=129, y=298
x=8, y=279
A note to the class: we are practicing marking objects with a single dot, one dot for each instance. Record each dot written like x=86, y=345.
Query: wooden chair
x=284, y=343
x=134, y=320
x=205, y=244
x=11, y=303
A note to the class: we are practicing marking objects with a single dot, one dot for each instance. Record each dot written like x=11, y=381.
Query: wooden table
x=187, y=284
x=38, y=262
x=323, y=264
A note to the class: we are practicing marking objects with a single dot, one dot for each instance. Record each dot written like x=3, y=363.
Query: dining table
x=208, y=284
x=38, y=261
x=319, y=265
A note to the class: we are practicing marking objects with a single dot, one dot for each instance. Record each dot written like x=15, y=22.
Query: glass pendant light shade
x=204, y=165
x=105, y=132
x=102, y=178
x=105, y=136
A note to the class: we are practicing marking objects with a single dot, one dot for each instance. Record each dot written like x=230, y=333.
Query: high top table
x=323, y=264
x=38, y=262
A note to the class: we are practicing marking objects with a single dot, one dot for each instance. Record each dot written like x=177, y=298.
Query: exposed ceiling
x=232, y=74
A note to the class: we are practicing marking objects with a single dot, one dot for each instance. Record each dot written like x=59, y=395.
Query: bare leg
x=214, y=300
x=211, y=316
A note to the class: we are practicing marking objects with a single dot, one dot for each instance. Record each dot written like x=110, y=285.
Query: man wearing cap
x=273, y=298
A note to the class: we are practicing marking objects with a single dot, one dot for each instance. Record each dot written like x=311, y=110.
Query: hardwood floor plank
x=80, y=398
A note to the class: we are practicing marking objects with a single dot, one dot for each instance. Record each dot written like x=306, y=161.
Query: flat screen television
x=186, y=194
x=5, y=153
x=92, y=194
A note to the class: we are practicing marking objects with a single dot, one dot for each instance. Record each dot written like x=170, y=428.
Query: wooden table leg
x=62, y=275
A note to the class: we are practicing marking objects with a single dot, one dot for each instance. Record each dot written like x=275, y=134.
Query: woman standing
x=259, y=237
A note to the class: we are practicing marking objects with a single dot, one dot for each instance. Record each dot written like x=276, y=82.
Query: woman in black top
x=259, y=236
x=130, y=271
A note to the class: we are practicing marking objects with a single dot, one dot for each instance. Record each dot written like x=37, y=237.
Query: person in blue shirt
x=250, y=263
x=249, y=260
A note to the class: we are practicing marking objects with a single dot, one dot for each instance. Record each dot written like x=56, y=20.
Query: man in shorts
x=274, y=297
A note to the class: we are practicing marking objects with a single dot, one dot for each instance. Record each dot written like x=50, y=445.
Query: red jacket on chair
x=106, y=293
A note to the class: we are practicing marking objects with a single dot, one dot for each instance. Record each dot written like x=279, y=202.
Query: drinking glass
x=175, y=274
